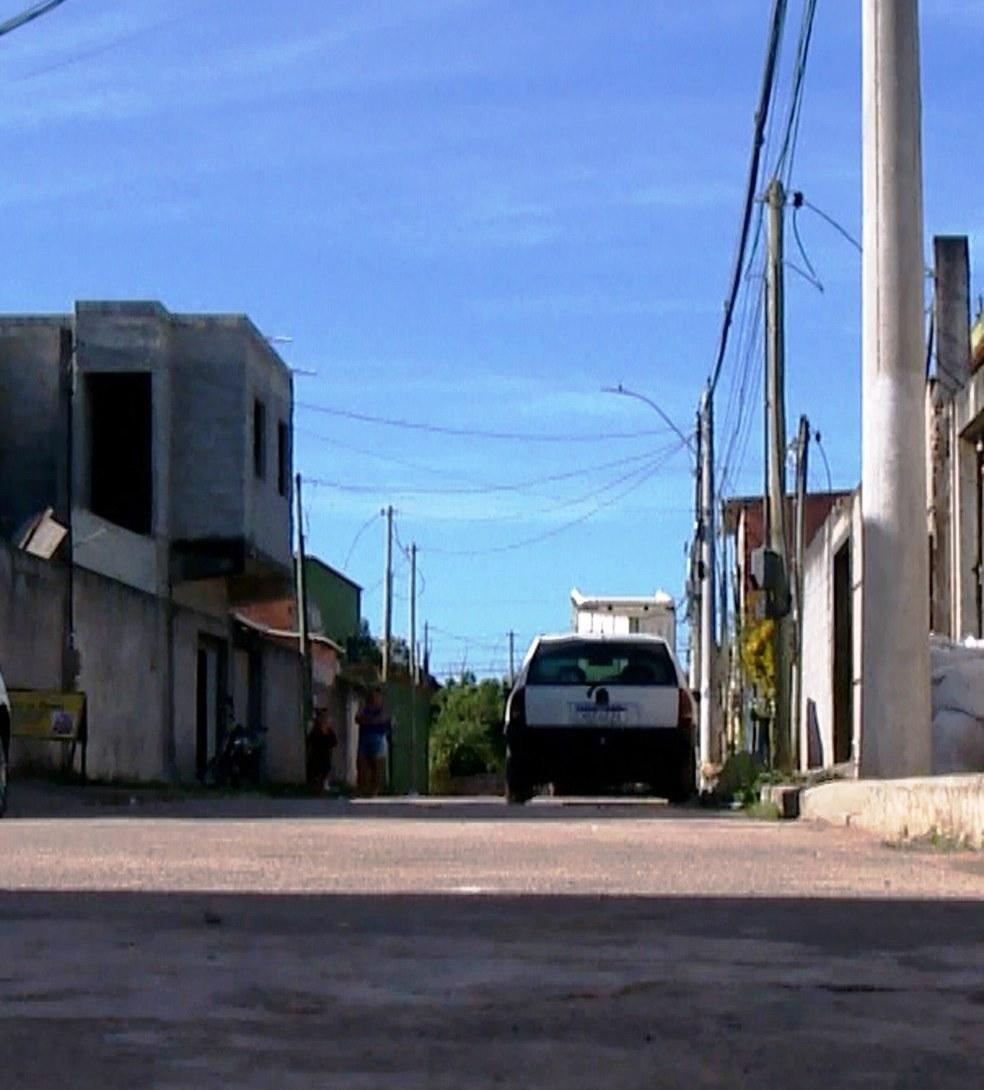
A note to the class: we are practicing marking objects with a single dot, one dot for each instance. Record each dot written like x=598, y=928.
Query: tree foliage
x=466, y=736
x=758, y=657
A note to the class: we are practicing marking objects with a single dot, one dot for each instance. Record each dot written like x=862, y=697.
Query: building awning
x=285, y=634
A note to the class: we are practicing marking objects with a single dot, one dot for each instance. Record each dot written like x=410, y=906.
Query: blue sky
x=473, y=215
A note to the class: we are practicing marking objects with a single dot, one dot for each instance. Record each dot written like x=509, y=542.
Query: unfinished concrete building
x=163, y=443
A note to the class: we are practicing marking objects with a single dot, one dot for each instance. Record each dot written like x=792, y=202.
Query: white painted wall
x=842, y=526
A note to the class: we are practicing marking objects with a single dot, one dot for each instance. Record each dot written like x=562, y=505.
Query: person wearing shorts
x=375, y=730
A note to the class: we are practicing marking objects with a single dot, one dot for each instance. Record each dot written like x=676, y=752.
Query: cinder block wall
x=33, y=599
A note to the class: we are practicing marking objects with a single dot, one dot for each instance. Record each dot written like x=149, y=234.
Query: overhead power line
x=787, y=152
x=29, y=16
x=761, y=117
x=477, y=433
x=638, y=479
x=479, y=490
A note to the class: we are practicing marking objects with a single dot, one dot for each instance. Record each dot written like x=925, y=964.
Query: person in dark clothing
x=321, y=741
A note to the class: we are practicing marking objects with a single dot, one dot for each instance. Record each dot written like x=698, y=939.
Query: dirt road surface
x=254, y=943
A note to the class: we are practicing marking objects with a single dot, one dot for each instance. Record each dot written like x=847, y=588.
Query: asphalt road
x=256, y=943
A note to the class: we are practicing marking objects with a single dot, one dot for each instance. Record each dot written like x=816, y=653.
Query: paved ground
x=203, y=943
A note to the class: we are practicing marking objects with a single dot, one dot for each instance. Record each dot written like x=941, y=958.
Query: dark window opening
x=259, y=438
x=283, y=471
x=120, y=449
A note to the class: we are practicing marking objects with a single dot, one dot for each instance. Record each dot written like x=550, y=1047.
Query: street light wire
x=362, y=529
x=826, y=463
x=813, y=277
x=28, y=16
x=476, y=433
x=688, y=440
x=833, y=223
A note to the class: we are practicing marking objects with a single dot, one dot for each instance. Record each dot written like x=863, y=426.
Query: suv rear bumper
x=602, y=756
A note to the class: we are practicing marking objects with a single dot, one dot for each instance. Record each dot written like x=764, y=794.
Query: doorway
x=843, y=655
x=209, y=691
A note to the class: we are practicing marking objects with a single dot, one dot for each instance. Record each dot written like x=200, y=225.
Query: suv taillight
x=516, y=713
x=685, y=706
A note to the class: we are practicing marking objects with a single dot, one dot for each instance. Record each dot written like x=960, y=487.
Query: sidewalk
x=950, y=807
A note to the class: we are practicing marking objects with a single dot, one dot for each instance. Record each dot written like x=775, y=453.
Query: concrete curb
x=946, y=806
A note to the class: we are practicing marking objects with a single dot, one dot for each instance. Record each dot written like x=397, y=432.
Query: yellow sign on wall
x=47, y=715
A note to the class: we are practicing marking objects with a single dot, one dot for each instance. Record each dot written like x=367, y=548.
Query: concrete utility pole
x=303, y=636
x=388, y=595
x=776, y=432
x=707, y=591
x=896, y=729
x=413, y=667
x=802, y=463
x=512, y=658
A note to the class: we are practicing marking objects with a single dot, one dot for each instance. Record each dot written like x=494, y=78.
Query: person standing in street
x=375, y=735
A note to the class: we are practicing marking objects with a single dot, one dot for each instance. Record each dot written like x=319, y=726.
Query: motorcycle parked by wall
x=239, y=759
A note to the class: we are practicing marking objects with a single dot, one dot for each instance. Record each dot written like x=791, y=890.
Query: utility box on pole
x=768, y=574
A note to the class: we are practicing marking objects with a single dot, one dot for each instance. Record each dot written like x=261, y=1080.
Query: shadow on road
x=101, y=989
x=39, y=799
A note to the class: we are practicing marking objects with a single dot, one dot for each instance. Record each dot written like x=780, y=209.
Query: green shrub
x=740, y=779
x=466, y=736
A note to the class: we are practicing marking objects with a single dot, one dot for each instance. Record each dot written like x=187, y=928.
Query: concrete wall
x=841, y=527
x=285, y=738
x=126, y=659
x=211, y=430
x=33, y=420
x=268, y=514
x=122, y=639
x=32, y=613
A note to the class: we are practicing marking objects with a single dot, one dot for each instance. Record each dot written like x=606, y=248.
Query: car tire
x=519, y=787
x=683, y=786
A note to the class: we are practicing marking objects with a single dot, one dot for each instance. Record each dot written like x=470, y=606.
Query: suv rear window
x=608, y=663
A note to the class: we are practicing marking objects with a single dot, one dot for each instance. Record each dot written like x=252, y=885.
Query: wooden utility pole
x=776, y=431
x=388, y=595
x=802, y=463
x=303, y=636
x=896, y=727
x=707, y=588
x=413, y=613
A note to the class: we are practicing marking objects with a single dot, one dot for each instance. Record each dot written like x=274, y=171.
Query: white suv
x=4, y=744
x=594, y=712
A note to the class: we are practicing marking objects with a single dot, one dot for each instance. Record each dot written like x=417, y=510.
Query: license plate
x=600, y=715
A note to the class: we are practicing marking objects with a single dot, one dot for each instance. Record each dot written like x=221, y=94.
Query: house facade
x=162, y=443
x=832, y=668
